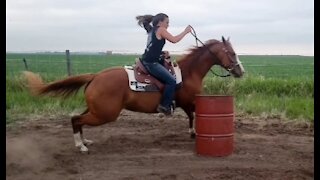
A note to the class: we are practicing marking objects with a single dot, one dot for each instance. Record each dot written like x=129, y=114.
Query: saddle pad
x=138, y=86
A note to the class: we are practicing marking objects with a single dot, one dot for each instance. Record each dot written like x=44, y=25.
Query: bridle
x=229, y=69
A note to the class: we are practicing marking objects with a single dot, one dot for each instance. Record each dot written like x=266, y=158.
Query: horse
x=107, y=92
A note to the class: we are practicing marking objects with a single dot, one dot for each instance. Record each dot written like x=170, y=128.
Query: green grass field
x=281, y=86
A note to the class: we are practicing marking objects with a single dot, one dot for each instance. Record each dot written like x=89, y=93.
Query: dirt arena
x=145, y=146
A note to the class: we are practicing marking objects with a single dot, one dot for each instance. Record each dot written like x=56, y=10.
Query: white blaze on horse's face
x=240, y=64
x=237, y=69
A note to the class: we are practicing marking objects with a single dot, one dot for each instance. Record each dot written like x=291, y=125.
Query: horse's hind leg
x=84, y=140
x=87, y=119
x=77, y=133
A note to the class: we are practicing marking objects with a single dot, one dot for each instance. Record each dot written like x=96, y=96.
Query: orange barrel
x=214, y=125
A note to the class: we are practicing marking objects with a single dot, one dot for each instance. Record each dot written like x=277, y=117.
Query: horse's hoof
x=83, y=149
x=160, y=115
x=192, y=135
x=87, y=142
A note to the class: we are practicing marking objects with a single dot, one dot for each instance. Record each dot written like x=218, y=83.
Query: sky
x=254, y=26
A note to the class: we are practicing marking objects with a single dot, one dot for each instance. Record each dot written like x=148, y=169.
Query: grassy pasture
x=272, y=86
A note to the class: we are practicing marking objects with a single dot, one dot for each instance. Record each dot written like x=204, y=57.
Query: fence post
x=25, y=63
x=68, y=63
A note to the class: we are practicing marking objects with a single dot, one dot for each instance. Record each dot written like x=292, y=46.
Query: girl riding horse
x=157, y=36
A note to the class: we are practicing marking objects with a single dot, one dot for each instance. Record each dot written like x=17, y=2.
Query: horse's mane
x=189, y=60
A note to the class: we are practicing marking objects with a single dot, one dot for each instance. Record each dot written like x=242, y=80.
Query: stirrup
x=165, y=111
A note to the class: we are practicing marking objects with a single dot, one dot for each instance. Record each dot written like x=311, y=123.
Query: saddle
x=141, y=80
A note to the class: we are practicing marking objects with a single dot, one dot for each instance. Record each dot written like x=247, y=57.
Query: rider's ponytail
x=144, y=21
x=147, y=19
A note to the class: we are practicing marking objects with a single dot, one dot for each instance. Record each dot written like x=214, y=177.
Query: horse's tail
x=65, y=87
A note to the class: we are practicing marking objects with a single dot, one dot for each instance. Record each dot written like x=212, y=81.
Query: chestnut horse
x=107, y=92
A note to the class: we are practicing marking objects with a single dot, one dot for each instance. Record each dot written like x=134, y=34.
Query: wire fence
x=64, y=64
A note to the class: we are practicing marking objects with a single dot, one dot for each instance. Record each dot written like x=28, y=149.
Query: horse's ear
x=223, y=40
x=228, y=39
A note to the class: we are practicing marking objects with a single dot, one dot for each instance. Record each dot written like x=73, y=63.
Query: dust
x=25, y=154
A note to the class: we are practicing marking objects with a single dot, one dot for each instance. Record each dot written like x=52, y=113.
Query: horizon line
x=128, y=52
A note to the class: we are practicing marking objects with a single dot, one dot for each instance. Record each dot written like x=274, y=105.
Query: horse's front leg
x=190, y=113
x=191, y=128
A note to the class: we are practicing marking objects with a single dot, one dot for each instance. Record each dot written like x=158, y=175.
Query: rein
x=194, y=34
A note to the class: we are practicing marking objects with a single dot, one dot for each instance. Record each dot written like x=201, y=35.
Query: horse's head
x=226, y=56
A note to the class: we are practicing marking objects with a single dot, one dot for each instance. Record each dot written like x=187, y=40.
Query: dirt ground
x=145, y=146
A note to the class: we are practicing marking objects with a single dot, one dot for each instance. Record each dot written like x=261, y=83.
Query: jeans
x=162, y=74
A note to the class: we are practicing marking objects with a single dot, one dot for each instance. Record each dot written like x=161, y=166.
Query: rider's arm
x=163, y=33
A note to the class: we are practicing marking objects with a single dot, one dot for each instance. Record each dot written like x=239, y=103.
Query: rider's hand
x=188, y=29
